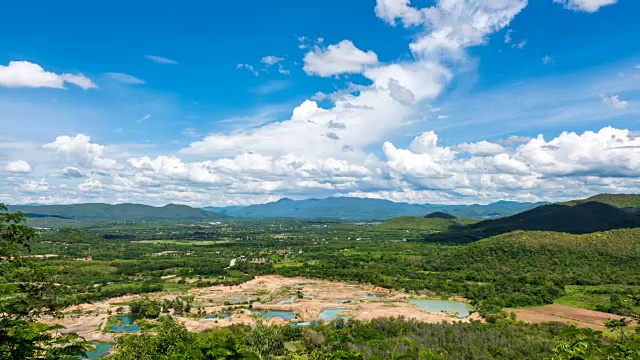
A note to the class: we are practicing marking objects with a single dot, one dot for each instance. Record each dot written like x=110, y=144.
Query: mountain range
x=119, y=212
x=352, y=208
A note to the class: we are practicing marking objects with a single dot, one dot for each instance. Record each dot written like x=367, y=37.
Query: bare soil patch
x=566, y=314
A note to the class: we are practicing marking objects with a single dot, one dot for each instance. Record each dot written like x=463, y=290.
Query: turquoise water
x=370, y=296
x=288, y=301
x=462, y=309
x=224, y=316
x=332, y=314
x=286, y=315
x=102, y=349
x=125, y=325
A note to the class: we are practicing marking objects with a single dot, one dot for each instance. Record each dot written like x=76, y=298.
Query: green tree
x=21, y=336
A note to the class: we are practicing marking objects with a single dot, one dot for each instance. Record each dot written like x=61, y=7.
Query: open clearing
x=566, y=314
x=311, y=297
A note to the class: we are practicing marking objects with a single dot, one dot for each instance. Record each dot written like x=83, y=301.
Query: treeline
x=381, y=339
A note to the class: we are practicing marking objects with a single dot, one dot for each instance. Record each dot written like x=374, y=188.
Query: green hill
x=581, y=218
x=598, y=213
x=120, y=212
x=440, y=215
x=422, y=223
x=616, y=200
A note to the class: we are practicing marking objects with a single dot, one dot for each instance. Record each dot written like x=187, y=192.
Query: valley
x=117, y=279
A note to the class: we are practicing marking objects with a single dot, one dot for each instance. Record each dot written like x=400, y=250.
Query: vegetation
x=33, y=293
x=381, y=339
x=105, y=259
x=616, y=200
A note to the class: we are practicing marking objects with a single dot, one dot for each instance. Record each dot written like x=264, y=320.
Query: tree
x=21, y=336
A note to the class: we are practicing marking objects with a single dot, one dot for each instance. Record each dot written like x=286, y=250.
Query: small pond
x=462, y=309
x=125, y=324
x=287, y=301
x=102, y=350
x=224, y=316
x=369, y=296
x=286, y=315
x=332, y=314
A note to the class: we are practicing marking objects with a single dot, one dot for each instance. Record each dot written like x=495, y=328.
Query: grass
x=589, y=297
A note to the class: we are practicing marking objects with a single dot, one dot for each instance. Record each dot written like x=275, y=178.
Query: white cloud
x=161, y=60
x=481, y=148
x=589, y=6
x=547, y=59
x=125, y=78
x=18, y=167
x=614, y=102
x=507, y=37
x=341, y=58
x=271, y=60
x=71, y=172
x=391, y=10
x=35, y=186
x=453, y=25
x=566, y=160
x=248, y=67
x=146, y=117
x=79, y=80
x=79, y=151
x=24, y=74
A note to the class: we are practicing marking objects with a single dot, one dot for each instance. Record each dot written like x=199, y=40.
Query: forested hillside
x=120, y=212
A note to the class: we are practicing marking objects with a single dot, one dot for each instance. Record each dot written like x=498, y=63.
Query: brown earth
x=566, y=314
x=88, y=320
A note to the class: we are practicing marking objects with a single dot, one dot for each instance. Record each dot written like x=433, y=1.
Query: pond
x=462, y=309
x=332, y=314
x=102, y=350
x=287, y=301
x=125, y=324
x=286, y=315
x=369, y=296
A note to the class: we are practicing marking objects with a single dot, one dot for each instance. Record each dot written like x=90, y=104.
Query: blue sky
x=421, y=101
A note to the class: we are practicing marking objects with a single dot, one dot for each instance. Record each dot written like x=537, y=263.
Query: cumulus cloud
x=392, y=10
x=79, y=151
x=340, y=58
x=589, y=6
x=481, y=148
x=161, y=60
x=125, y=78
x=614, y=101
x=18, y=167
x=24, y=74
x=567, y=158
x=547, y=59
x=35, y=187
x=453, y=25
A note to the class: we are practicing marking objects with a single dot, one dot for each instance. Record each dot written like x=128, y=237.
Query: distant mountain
x=351, y=208
x=123, y=212
x=599, y=213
